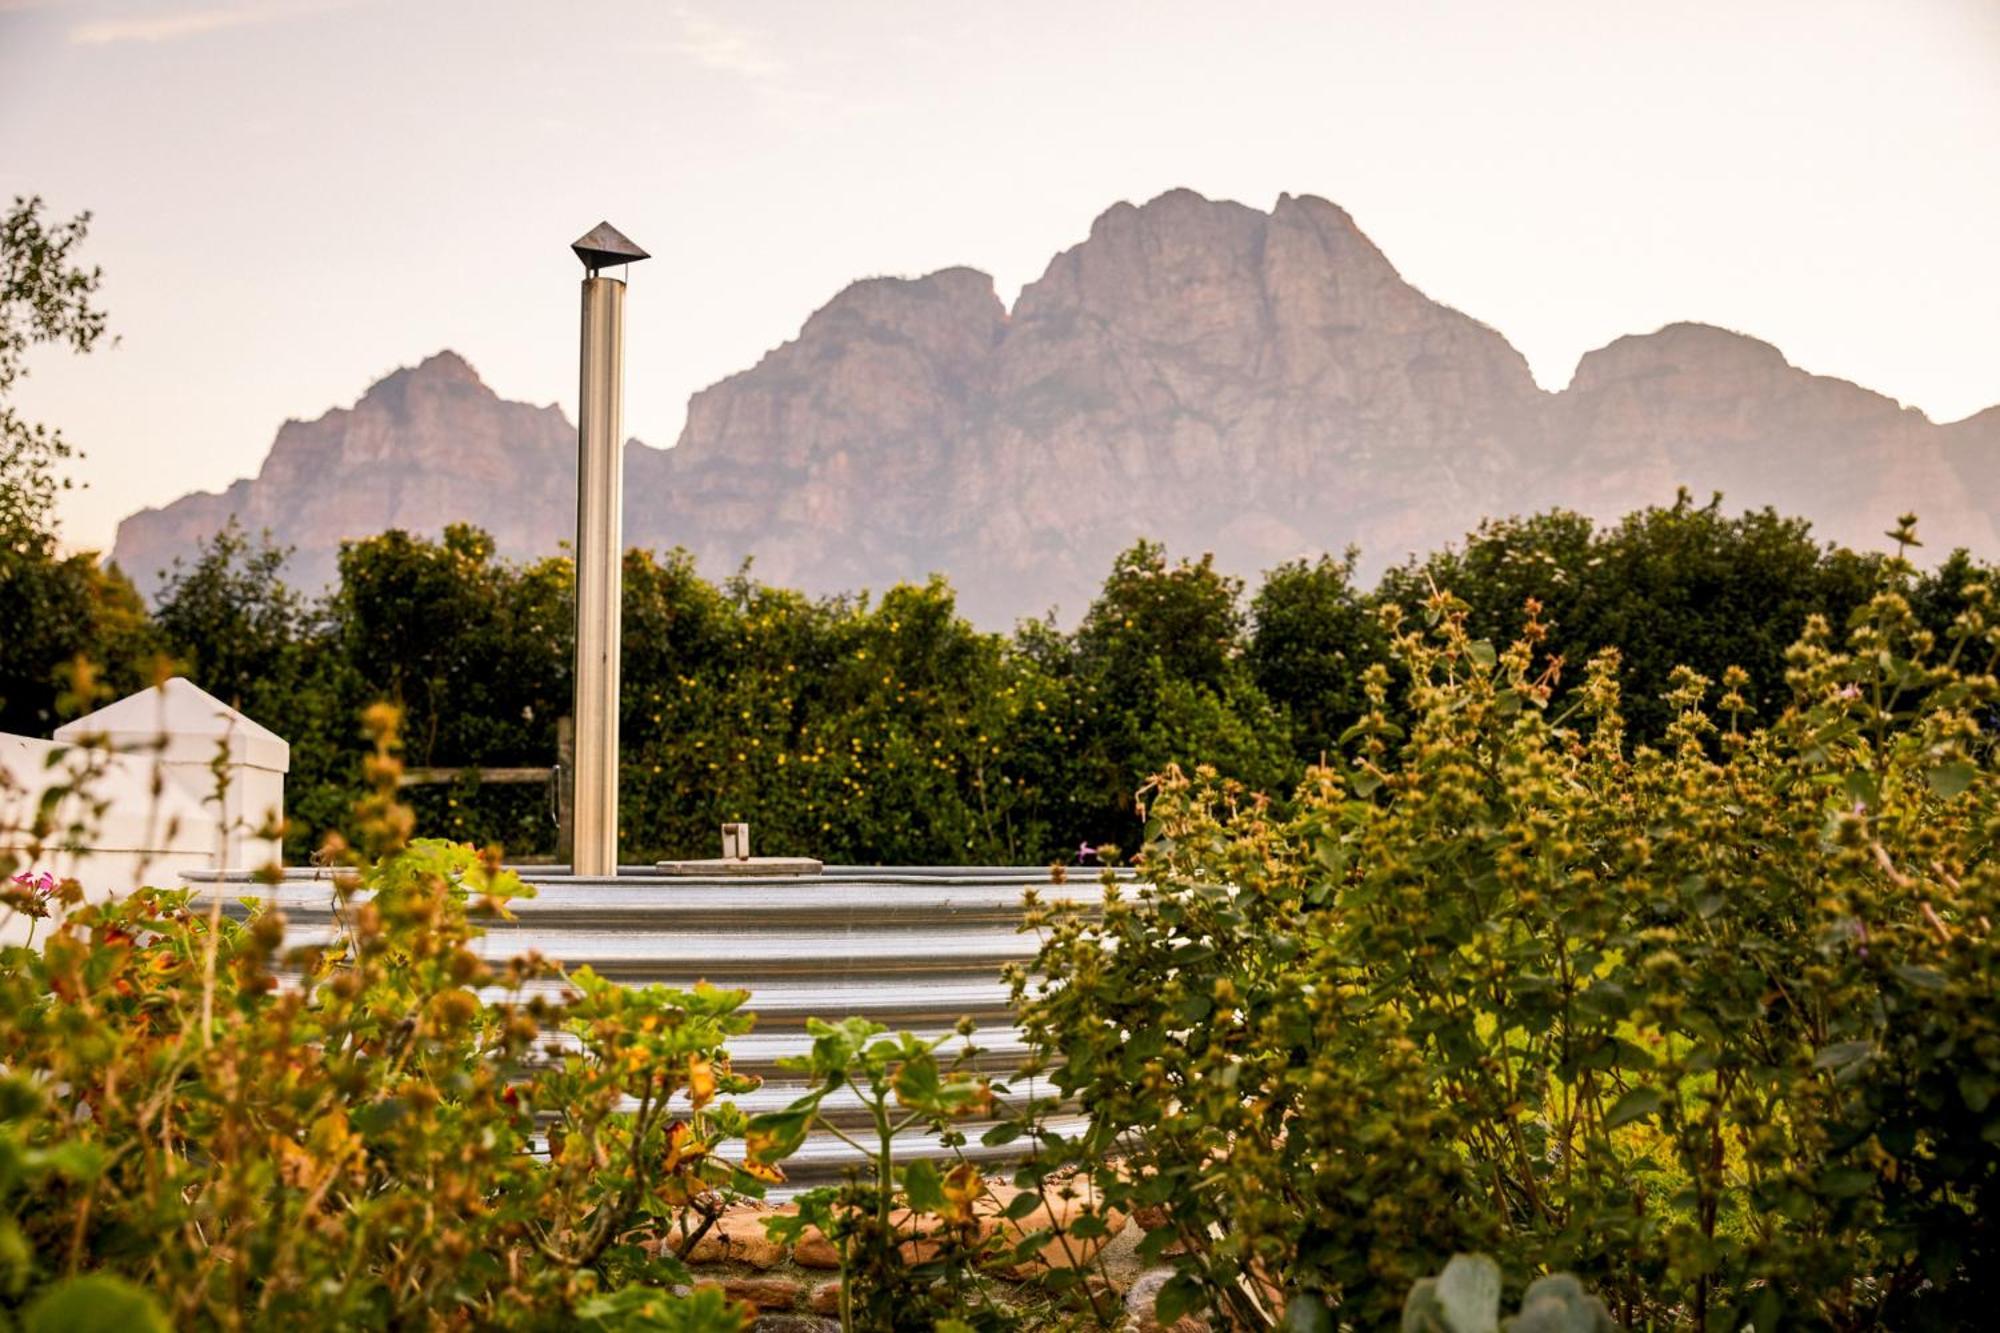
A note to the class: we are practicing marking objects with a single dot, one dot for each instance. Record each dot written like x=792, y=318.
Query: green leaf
x=1469, y=1292
x=1021, y=1205
x=1942, y=1252
x=1842, y=1054
x=1768, y=1308
x=637, y=1309
x=1089, y=1226
x=924, y=1186
x=17, y=1261
x=1948, y=780
x=376, y=1118
x=1179, y=1295
x=1030, y=1245
x=1482, y=654
x=78, y=1159
x=1004, y=1132
x=917, y=1083
x=1635, y=1105
x=776, y=1135
x=95, y=1303
x=1153, y=1245
x=1846, y=1182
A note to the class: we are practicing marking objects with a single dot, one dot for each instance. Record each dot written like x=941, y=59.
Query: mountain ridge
x=1260, y=384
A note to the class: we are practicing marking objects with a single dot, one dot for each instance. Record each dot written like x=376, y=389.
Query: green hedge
x=888, y=729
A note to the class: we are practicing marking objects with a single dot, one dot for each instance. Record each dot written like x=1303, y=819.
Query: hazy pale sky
x=294, y=197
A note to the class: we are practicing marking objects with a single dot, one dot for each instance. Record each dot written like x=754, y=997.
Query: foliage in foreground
x=1465, y=1298
x=1714, y=1024
x=908, y=1235
x=181, y=1129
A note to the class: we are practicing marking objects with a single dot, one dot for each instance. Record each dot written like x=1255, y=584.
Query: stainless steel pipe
x=600, y=550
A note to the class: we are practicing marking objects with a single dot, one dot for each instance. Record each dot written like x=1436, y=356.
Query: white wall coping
x=178, y=722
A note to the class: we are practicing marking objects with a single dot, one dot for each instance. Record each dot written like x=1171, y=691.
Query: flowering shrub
x=921, y=1240
x=909, y=1236
x=1711, y=1022
x=1715, y=1024
x=201, y=1116
x=32, y=896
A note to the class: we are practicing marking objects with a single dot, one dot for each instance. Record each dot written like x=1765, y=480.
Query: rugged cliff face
x=424, y=447
x=831, y=462
x=1253, y=384
x=1714, y=410
x=1261, y=385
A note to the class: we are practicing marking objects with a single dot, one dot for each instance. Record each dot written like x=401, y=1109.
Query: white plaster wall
x=166, y=781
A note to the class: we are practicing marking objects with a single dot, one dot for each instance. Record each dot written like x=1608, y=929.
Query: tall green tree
x=45, y=297
x=1314, y=633
x=1675, y=585
x=232, y=623
x=1158, y=668
x=474, y=649
x=56, y=608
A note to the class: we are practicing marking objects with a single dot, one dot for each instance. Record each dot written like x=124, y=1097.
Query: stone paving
x=792, y=1290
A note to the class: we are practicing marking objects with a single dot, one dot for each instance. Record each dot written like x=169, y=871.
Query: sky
x=291, y=198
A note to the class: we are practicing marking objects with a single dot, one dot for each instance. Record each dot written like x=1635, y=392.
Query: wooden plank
x=427, y=777
x=565, y=791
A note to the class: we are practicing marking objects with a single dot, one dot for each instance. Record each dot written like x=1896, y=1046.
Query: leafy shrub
x=1669, y=586
x=1714, y=1024
x=1315, y=635
x=345, y=1131
x=910, y=1241
x=920, y=1241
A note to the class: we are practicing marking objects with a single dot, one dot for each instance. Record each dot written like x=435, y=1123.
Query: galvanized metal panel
x=912, y=947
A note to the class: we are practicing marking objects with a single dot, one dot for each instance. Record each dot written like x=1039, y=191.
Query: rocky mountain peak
x=445, y=367
x=1258, y=384
x=1347, y=252
x=425, y=445
x=954, y=311
x=1686, y=349
x=443, y=373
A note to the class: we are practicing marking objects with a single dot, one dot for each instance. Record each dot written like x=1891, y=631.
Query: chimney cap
x=605, y=245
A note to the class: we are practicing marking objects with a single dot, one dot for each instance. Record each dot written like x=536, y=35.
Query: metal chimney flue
x=600, y=547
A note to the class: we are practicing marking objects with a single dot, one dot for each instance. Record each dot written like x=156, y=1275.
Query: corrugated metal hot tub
x=912, y=947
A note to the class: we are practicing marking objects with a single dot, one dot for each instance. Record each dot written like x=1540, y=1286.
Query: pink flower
x=31, y=893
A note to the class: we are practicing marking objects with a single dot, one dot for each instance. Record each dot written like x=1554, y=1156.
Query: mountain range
x=1256, y=384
